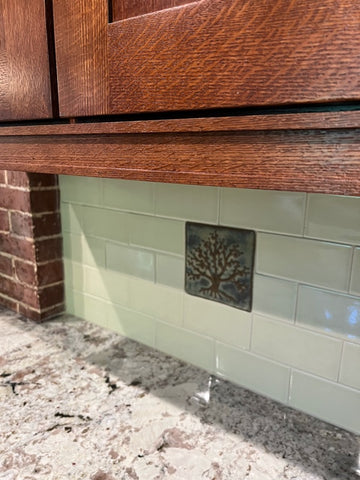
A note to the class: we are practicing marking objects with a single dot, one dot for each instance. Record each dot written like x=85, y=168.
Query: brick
x=40, y=315
x=50, y=272
x=42, y=180
x=52, y=312
x=47, y=224
x=25, y=272
x=4, y=221
x=11, y=288
x=9, y=303
x=2, y=176
x=30, y=296
x=13, y=199
x=19, y=247
x=44, y=200
x=49, y=296
x=18, y=179
x=48, y=249
x=21, y=224
x=30, y=313
x=6, y=266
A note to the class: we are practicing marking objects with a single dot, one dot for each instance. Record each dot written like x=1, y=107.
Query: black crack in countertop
x=79, y=402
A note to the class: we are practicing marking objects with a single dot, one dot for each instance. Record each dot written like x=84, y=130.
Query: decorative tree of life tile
x=220, y=264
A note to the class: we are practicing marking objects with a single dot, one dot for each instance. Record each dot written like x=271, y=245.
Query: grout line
x=341, y=361
x=219, y=203
x=289, y=386
x=351, y=272
x=251, y=332
x=306, y=213
x=296, y=304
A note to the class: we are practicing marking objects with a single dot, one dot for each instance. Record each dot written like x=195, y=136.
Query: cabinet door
x=159, y=55
x=25, y=91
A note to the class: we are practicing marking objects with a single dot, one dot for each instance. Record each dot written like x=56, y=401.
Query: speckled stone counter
x=79, y=402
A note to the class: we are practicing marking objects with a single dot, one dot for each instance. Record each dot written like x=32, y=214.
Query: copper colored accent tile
x=220, y=263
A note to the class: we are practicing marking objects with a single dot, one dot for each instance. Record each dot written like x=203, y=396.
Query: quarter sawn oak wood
x=313, y=160
x=25, y=91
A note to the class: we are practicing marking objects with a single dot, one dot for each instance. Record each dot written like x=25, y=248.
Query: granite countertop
x=79, y=402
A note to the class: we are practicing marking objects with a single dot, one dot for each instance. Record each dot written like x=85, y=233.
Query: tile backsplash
x=124, y=247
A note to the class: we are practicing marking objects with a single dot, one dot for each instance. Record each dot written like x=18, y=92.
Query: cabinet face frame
x=25, y=89
x=207, y=54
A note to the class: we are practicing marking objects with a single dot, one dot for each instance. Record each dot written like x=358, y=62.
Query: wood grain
x=81, y=55
x=292, y=121
x=235, y=53
x=122, y=9
x=308, y=161
x=25, y=91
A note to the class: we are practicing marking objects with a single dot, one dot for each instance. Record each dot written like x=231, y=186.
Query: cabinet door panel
x=25, y=91
x=221, y=53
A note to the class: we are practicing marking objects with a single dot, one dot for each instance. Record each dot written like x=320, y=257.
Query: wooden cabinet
x=278, y=79
x=25, y=89
x=207, y=54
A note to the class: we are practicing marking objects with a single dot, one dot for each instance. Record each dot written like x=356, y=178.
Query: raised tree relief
x=122, y=9
x=219, y=264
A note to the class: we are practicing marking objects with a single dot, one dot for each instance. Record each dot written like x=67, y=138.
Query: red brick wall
x=31, y=271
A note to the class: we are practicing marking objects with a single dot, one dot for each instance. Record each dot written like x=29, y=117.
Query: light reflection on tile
x=330, y=312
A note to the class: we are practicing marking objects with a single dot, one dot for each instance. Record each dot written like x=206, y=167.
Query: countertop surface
x=79, y=402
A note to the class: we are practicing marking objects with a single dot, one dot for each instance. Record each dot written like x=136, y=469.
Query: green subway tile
x=107, y=284
x=329, y=401
x=131, y=324
x=329, y=312
x=187, y=202
x=71, y=218
x=85, y=190
x=130, y=261
x=90, y=251
x=129, y=195
x=350, y=365
x=108, y=224
x=91, y=309
x=299, y=348
x=157, y=234
x=263, y=210
x=355, y=274
x=161, y=302
x=274, y=297
x=219, y=321
x=170, y=271
x=332, y=217
x=309, y=261
x=74, y=274
x=187, y=346
x=253, y=372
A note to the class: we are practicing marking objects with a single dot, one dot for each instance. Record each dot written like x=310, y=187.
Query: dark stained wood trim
x=291, y=121
x=323, y=161
x=81, y=56
x=235, y=53
x=25, y=91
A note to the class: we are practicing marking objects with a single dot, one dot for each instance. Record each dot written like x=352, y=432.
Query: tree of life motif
x=217, y=263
